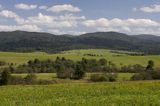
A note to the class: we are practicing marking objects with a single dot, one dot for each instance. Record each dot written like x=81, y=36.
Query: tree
x=150, y=66
x=102, y=62
x=5, y=77
x=79, y=72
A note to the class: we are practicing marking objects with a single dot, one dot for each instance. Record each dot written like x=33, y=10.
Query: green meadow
x=118, y=59
x=66, y=92
x=83, y=94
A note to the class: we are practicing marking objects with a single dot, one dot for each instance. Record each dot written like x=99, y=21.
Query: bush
x=155, y=75
x=142, y=76
x=44, y=82
x=103, y=77
x=112, y=77
x=30, y=78
x=15, y=80
x=98, y=77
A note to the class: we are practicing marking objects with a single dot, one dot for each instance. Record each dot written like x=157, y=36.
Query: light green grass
x=20, y=58
x=83, y=94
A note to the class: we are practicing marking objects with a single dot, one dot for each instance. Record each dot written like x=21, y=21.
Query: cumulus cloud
x=151, y=9
x=19, y=20
x=58, y=32
x=63, y=21
x=131, y=26
x=19, y=27
x=25, y=6
x=62, y=8
x=104, y=22
x=8, y=14
x=13, y=15
x=69, y=23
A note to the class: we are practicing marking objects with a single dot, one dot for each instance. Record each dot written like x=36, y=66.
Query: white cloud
x=96, y=23
x=43, y=7
x=63, y=21
x=130, y=26
x=13, y=15
x=8, y=14
x=58, y=32
x=104, y=22
x=151, y=9
x=19, y=27
x=25, y=6
x=62, y=8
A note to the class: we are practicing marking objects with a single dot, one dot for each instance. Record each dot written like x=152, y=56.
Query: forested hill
x=22, y=41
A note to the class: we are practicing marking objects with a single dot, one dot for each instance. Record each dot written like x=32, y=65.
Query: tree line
x=87, y=65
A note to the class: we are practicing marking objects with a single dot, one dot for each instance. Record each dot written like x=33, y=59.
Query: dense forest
x=21, y=41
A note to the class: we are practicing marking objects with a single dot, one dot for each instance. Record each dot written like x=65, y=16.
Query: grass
x=122, y=59
x=83, y=94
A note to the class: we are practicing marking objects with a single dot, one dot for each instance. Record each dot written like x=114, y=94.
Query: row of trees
x=66, y=68
x=87, y=65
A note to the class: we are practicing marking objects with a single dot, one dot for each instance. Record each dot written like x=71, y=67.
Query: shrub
x=142, y=76
x=15, y=80
x=155, y=75
x=112, y=77
x=98, y=77
x=103, y=77
x=30, y=78
x=44, y=82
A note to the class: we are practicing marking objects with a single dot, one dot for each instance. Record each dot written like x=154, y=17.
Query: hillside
x=33, y=41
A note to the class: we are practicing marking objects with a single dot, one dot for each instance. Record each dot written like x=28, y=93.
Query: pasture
x=118, y=59
x=66, y=92
x=83, y=94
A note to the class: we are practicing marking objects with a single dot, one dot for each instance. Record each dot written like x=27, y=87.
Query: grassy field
x=83, y=94
x=121, y=59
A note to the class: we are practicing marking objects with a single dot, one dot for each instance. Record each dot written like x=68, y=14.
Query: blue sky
x=81, y=16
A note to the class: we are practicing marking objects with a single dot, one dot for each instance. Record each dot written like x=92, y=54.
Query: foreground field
x=118, y=59
x=82, y=94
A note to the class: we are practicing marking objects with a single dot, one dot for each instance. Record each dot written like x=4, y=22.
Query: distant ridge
x=23, y=41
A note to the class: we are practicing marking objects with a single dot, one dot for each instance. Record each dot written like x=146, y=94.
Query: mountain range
x=22, y=41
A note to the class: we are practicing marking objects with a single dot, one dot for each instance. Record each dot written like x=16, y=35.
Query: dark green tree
x=102, y=62
x=5, y=77
x=150, y=66
x=78, y=72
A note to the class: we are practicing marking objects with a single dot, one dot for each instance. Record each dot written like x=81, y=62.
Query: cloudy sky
x=81, y=16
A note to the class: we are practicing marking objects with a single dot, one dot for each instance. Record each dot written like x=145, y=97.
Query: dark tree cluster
x=8, y=79
x=150, y=73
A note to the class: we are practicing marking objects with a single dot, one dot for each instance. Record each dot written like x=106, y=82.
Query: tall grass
x=92, y=94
